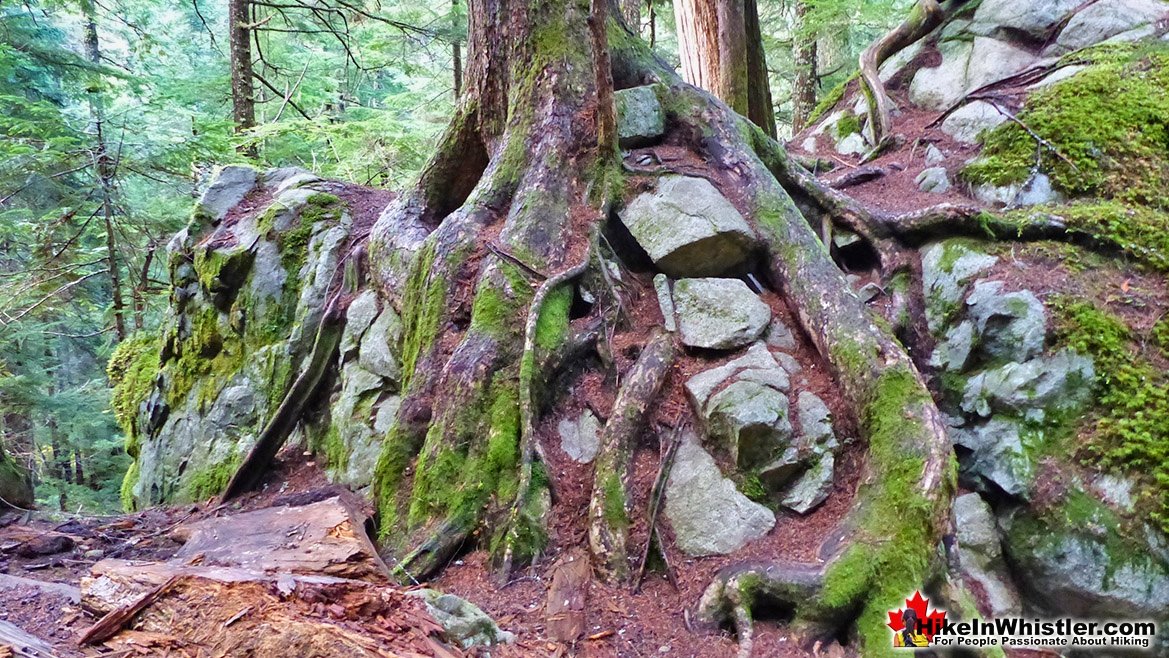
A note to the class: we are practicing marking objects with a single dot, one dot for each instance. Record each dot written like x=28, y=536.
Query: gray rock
x=788, y=363
x=1059, y=75
x=1115, y=490
x=708, y=514
x=1012, y=325
x=969, y=121
x=700, y=386
x=780, y=472
x=1001, y=18
x=268, y=276
x=1001, y=453
x=933, y=179
x=688, y=228
x=780, y=336
x=719, y=313
x=229, y=185
x=995, y=195
x=981, y=558
x=899, y=60
x=815, y=421
x=377, y=352
x=665, y=302
x=580, y=438
x=1083, y=568
x=361, y=313
x=842, y=238
x=933, y=155
x=852, y=144
x=952, y=353
x=1107, y=18
x=387, y=412
x=462, y=620
x=947, y=269
x=966, y=66
x=1060, y=382
x=812, y=488
x=287, y=178
x=751, y=421
x=1037, y=192
x=640, y=119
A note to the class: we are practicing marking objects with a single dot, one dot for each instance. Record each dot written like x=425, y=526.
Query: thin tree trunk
x=456, y=54
x=804, y=86
x=631, y=12
x=243, y=101
x=105, y=172
x=761, y=111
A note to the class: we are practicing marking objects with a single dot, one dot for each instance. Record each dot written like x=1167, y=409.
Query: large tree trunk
x=721, y=48
x=481, y=259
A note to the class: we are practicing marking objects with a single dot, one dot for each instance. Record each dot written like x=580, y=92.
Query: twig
x=498, y=251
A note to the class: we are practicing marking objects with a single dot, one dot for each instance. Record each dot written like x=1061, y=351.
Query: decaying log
x=326, y=537
x=233, y=612
x=609, y=505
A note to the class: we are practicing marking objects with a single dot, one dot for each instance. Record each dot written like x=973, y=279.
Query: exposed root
x=923, y=18
x=609, y=505
x=732, y=593
x=528, y=403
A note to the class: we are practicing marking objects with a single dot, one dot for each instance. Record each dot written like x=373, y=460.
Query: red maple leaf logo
x=931, y=620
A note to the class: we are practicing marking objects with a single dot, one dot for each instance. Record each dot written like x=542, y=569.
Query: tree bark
x=721, y=48
x=456, y=53
x=243, y=101
x=805, y=85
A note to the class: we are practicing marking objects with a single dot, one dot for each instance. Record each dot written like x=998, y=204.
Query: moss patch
x=209, y=480
x=131, y=372
x=1111, y=122
x=1129, y=431
x=1140, y=232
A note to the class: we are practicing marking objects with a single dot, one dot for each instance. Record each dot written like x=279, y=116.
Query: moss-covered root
x=609, y=505
x=735, y=590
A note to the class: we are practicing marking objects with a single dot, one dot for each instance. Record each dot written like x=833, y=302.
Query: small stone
x=780, y=336
x=869, y=292
x=933, y=155
x=812, y=488
x=953, y=352
x=980, y=555
x=853, y=144
x=934, y=179
x=580, y=439
x=815, y=421
x=1012, y=326
x=640, y=119
x=1060, y=382
x=94, y=554
x=463, y=621
x=700, y=386
x=719, y=313
x=998, y=454
x=842, y=238
x=947, y=269
x=665, y=302
x=751, y=421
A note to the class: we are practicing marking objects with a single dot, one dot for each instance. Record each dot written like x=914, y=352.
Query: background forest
x=113, y=112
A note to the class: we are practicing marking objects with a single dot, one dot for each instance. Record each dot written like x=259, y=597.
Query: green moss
x=209, y=480
x=848, y=124
x=830, y=100
x=1140, y=232
x=205, y=361
x=1160, y=335
x=1130, y=430
x=552, y=326
x=127, y=491
x=893, y=554
x=131, y=372
x=1110, y=122
x=422, y=306
x=613, y=491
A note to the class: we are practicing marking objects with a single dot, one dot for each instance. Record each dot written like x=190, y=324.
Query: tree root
x=923, y=18
x=609, y=504
x=528, y=369
x=734, y=590
x=655, y=505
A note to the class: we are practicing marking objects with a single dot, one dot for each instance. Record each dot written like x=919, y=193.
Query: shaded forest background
x=113, y=113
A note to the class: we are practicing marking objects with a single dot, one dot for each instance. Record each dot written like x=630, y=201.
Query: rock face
x=719, y=314
x=1070, y=560
x=640, y=119
x=966, y=65
x=996, y=18
x=248, y=299
x=688, y=228
x=1107, y=19
x=1062, y=381
x=707, y=513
